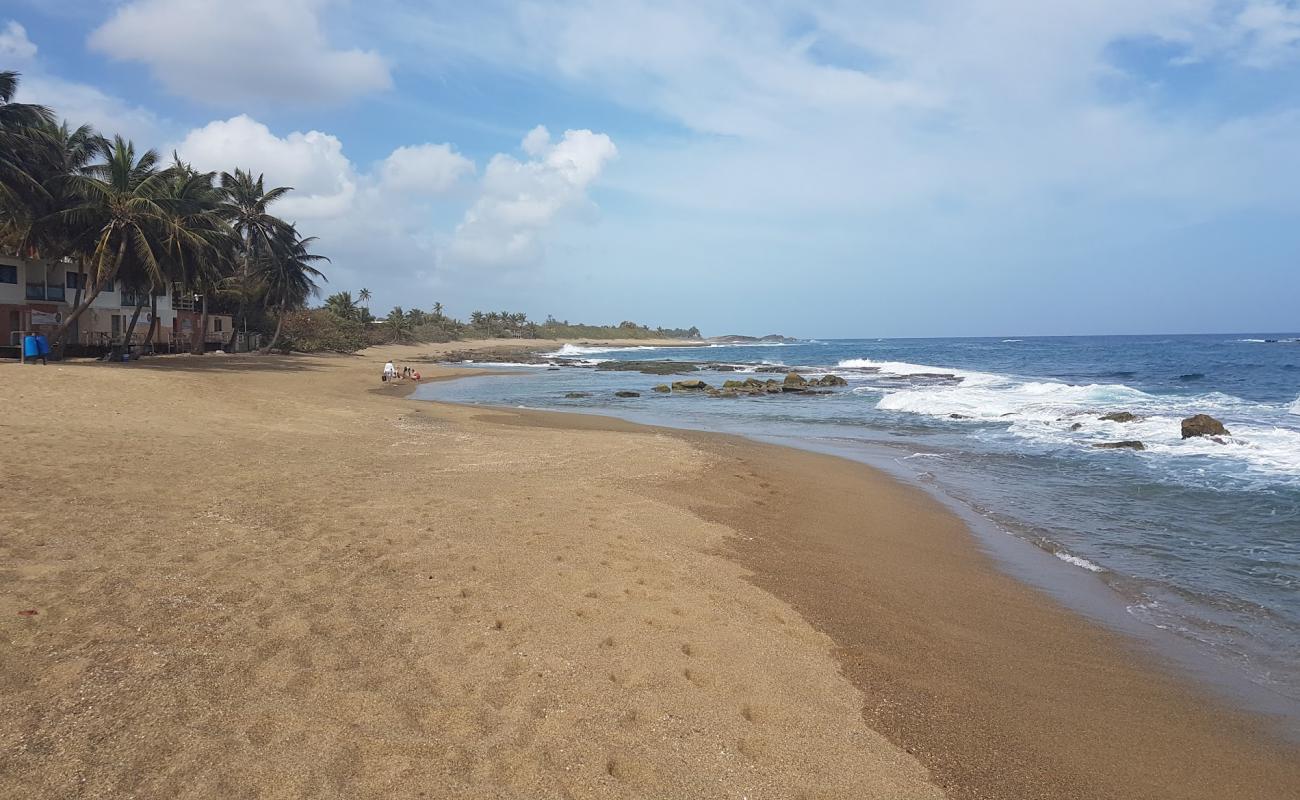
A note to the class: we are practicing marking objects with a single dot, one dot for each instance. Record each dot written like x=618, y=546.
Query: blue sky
x=826, y=169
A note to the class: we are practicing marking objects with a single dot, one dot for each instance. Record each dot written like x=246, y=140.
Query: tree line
x=128, y=218
x=349, y=317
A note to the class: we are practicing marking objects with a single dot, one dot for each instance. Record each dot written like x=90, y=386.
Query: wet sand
x=274, y=577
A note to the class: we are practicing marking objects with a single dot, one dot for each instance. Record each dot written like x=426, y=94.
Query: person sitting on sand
x=390, y=372
x=415, y=376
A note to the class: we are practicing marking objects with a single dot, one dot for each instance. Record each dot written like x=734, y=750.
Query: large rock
x=576, y=395
x=794, y=382
x=662, y=388
x=1120, y=416
x=692, y=385
x=625, y=393
x=1131, y=444
x=732, y=384
x=1203, y=425
x=831, y=380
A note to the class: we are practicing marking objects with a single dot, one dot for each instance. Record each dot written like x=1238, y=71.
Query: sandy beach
x=276, y=577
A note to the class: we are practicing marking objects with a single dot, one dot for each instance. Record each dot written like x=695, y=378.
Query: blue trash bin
x=42, y=345
x=31, y=349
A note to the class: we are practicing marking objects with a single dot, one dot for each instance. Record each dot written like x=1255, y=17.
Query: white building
x=36, y=296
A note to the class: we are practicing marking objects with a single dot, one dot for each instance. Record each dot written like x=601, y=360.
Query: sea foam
x=1046, y=413
x=904, y=369
x=1077, y=561
x=571, y=350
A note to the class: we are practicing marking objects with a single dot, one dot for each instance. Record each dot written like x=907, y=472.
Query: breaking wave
x=1052, y=414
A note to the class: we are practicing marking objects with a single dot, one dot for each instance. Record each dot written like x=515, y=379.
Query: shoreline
x=1080, y=593
x=360, y=597
x=1117, y=645
x=1209, y=749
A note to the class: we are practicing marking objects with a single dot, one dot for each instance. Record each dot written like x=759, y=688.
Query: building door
x=117, y=326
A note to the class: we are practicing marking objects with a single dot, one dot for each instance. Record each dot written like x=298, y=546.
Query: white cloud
x=1266, y=33
x=237, y=52
x=537, y=140
x=393, y=227
x=424, y=169
x=822, y=105
x=323, y=179
x=78, y=103
x=15, y=47
x=519, y=200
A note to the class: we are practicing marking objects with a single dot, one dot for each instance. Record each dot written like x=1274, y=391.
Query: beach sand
x=274, y=577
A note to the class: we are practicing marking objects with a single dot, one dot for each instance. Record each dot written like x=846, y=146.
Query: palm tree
x=119, y=205
x=245, y=207
x=437, y=310
x=197, y=248
x=363, y=299
x=32, y=227
x=290, y=278
x=398, y=325
x=18, y=123
x=341, y=304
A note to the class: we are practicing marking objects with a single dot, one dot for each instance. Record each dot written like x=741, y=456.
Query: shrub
x=439, y=330
x=319, y=331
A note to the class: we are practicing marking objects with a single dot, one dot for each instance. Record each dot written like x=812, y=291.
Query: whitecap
x=570, y=350
x=904, y=369
x=1077, y=561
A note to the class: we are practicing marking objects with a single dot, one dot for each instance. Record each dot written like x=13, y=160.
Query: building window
x=108, y=286
x=54, y=292
x=35, y=291
x=8, y=274
x=216, y=325
x=71, y=281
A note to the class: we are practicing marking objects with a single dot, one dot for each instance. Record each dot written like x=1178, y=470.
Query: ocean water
x=1195, y=538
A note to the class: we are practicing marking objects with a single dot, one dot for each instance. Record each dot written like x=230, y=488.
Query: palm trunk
x=153, y=323
x=81, y=307
x=275, y=337
x=234, y=332
x=130, y=329
x=199, y=341
x=243, y=296
x=60, y=337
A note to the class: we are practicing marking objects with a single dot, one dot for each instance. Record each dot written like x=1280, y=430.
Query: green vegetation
x=417, y=325
x=128, y=220
x=319, y=330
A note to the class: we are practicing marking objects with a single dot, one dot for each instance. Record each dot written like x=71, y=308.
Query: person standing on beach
x=390, y=372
